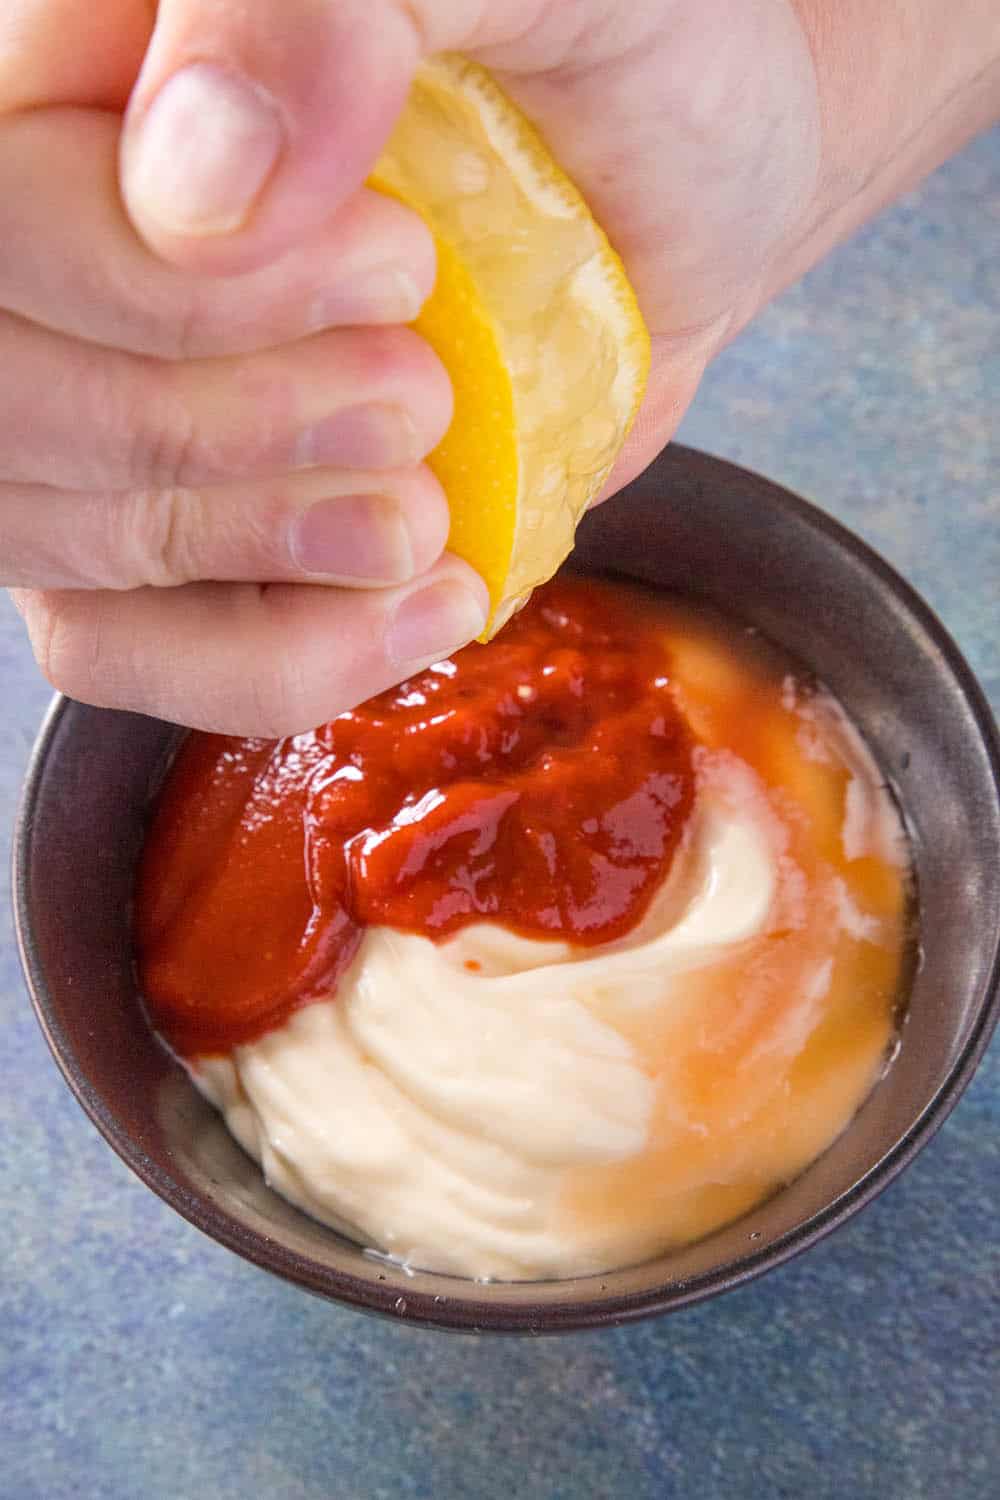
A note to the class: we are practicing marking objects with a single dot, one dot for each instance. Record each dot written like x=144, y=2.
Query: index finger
x=72, y=262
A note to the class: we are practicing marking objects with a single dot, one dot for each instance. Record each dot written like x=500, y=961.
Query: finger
x=245, y=660
x=375, y=264
x=79, y=417
x=355, y=530
x=63, y=52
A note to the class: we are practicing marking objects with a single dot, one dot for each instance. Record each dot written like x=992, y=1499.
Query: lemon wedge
x=533, y=317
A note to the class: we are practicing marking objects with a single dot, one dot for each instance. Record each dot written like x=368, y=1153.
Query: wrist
x=901, y=87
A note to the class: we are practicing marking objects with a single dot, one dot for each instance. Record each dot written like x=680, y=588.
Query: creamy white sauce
x=435, y=1113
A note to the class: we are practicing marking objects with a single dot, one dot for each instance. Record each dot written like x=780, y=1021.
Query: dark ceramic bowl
x=690, y=523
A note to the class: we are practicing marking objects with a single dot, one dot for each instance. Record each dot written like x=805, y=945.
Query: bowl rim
x=469, y=1315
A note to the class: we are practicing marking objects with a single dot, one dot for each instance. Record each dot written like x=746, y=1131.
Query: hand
x=212, y=501
x=173, y=409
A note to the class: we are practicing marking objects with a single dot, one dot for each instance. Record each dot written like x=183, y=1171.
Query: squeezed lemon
x=533, y=317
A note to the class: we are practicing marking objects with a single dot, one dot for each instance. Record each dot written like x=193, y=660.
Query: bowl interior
x=690, y=523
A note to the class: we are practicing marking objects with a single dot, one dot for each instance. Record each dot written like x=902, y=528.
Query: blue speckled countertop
x=139, y=1359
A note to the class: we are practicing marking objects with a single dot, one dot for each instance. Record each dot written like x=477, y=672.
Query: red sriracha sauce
x=541, y=781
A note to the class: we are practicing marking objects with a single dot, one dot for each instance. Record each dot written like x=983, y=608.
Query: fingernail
x=354, y=539
x=387, y=295
x=207, y=145
x=434, y=621
x=362, y=437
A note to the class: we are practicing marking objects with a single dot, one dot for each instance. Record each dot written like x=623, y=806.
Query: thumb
x=250, y=124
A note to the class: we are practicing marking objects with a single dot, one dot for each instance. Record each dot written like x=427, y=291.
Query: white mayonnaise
x=435, y=1107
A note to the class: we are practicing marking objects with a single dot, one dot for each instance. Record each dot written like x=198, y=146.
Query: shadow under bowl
x=692, y=524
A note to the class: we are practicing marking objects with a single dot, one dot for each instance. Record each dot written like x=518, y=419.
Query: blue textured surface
x=139, y=1359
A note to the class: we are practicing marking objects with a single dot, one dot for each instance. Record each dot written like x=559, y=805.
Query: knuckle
x=145, y=429
x=206, y=425
x=166, y=446
x=162, y=538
